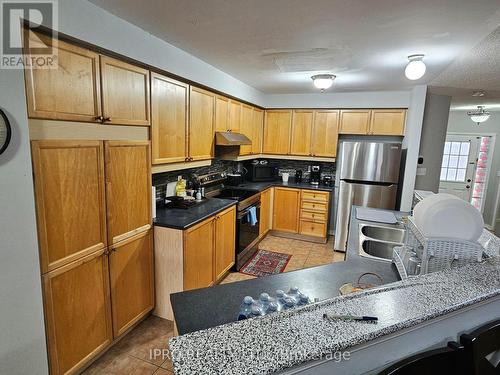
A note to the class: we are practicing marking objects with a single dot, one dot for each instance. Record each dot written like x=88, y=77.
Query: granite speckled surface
x=290, y=338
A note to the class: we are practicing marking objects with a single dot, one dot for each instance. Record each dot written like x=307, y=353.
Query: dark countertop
x=177, y=218
x=261, y=186
x=209, y=307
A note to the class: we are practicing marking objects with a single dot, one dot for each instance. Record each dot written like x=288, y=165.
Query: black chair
x=479, y=344
x=442, y=361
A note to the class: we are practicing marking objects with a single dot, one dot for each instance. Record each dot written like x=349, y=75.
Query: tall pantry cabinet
x=94, y=229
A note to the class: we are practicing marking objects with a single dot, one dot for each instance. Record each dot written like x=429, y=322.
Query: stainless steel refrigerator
x=368, y=174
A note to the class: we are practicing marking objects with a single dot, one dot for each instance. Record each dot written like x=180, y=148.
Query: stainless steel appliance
x=368, y=176
x=247, y=229
x=298, y=175
x=315, y=174
x=261, y=172
x=234, y=179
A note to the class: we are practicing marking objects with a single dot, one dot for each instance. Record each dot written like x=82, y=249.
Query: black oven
x=259, y=172
x=247, y=233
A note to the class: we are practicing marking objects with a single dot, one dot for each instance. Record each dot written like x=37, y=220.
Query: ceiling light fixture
x=323, y=81
x=479, y=115
x=416, y=67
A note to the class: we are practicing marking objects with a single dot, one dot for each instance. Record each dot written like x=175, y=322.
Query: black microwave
x=259, y=172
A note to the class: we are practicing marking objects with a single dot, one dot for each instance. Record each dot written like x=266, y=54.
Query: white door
x=459, y=165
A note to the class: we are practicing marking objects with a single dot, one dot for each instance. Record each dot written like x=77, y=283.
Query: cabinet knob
x=99, y=118
x=106, y=119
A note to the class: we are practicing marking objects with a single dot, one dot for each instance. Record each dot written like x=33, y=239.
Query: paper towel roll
x=449, y=217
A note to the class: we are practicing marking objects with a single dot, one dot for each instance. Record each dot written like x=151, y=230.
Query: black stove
x=235, y=194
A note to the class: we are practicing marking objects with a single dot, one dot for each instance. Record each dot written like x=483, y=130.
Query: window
x=455, y=161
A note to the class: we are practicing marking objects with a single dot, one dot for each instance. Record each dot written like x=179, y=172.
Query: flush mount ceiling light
x=415, y=68
x=323, y=81
x=479, y=115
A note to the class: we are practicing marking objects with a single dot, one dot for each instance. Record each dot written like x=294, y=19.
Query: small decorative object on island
x=5, y=132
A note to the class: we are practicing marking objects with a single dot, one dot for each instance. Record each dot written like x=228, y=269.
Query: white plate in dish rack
x=379, y=216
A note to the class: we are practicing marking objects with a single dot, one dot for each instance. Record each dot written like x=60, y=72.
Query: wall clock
x=5, y=132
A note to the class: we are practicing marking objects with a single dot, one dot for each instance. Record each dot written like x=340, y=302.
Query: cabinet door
x=77, y=312
x=199, y=255
x=169, y=100
x=201, y=124
x=258, y=127
x=302, y=122
x=286, y=210
x=225, y=242
x=277, y=132
x=234, y=116
x=354, y=121
x=70, y=92
x=265, y=212
x=388, y=122
x=128, y=188
x=70, y=200
x=125, y=93
x=246, y=128
x=221, y=113
x=325, y=134
x=132, y=282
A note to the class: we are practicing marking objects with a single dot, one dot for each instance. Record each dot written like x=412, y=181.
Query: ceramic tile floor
x=304, y=255
x=135, y=354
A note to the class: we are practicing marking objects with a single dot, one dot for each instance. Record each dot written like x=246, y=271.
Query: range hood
x=231, y=139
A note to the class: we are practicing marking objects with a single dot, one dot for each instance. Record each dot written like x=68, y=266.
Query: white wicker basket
x=437, y=254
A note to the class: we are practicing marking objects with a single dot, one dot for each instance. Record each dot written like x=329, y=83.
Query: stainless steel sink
x=383, y=233
x=379, y=249
x=378, y=242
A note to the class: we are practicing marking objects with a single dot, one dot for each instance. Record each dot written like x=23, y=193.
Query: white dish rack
x=437, y=254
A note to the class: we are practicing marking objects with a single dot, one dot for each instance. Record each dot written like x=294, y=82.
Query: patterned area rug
x=265, y=263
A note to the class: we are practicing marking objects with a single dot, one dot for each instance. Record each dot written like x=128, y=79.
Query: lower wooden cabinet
x=132, y=281
x=265, y=211
x=77, y=312
x=225, y=234
x=286, y=210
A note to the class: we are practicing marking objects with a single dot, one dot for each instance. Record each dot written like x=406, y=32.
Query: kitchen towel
x=252, y=216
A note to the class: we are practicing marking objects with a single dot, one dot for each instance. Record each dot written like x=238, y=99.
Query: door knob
x=467, y=186
x=469, y=180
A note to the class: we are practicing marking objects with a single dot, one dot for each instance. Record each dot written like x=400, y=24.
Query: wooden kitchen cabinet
x=246, y=128
x=325, y=133
x=302, y=125
x=128, y=188
x=221, y=113
x=77, y=312
x=199, y=249
x=265, y=211
x=132, y=281
x=314, y=213
x=169, y=120
x=354, y=121
x=70, y=200
x=201, y=124
x=388, y=122
x=125, y=93
x=286, y=209
x=225, y=234
x=258, y=127
x=72, y=91
x=234, y=116
x=277, y=130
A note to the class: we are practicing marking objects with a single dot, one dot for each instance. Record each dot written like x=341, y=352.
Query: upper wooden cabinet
x=286, y=210
x=225, y=252
x=388, y=122
x=302, y=126
x=128, y=188
x=325, y=133
x=234, y=116
x=258, y=127
x=221, y=113
x=201, y=124
x=354, y=121
x=70, y=92
x=125, y=93
x=169, y=101
x=246, y=128
x=70, y=200
x=131, y=280
x=277, y=130
x=77, y=312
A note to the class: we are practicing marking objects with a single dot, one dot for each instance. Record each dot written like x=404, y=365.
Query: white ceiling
x=276, y=45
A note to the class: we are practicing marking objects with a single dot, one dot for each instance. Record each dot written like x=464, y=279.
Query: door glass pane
x=460, y=175
x=453, y=162
x=462, y=161
x=464, y=149
x=455, y=148
x=445, y=160
x=447, y=146
x=443, y=174
x=450, y=176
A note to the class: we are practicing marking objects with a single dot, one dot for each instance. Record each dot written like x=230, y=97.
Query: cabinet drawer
x=316, y=196
x=312, y=215
x=314, y=206
x=311, y=228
